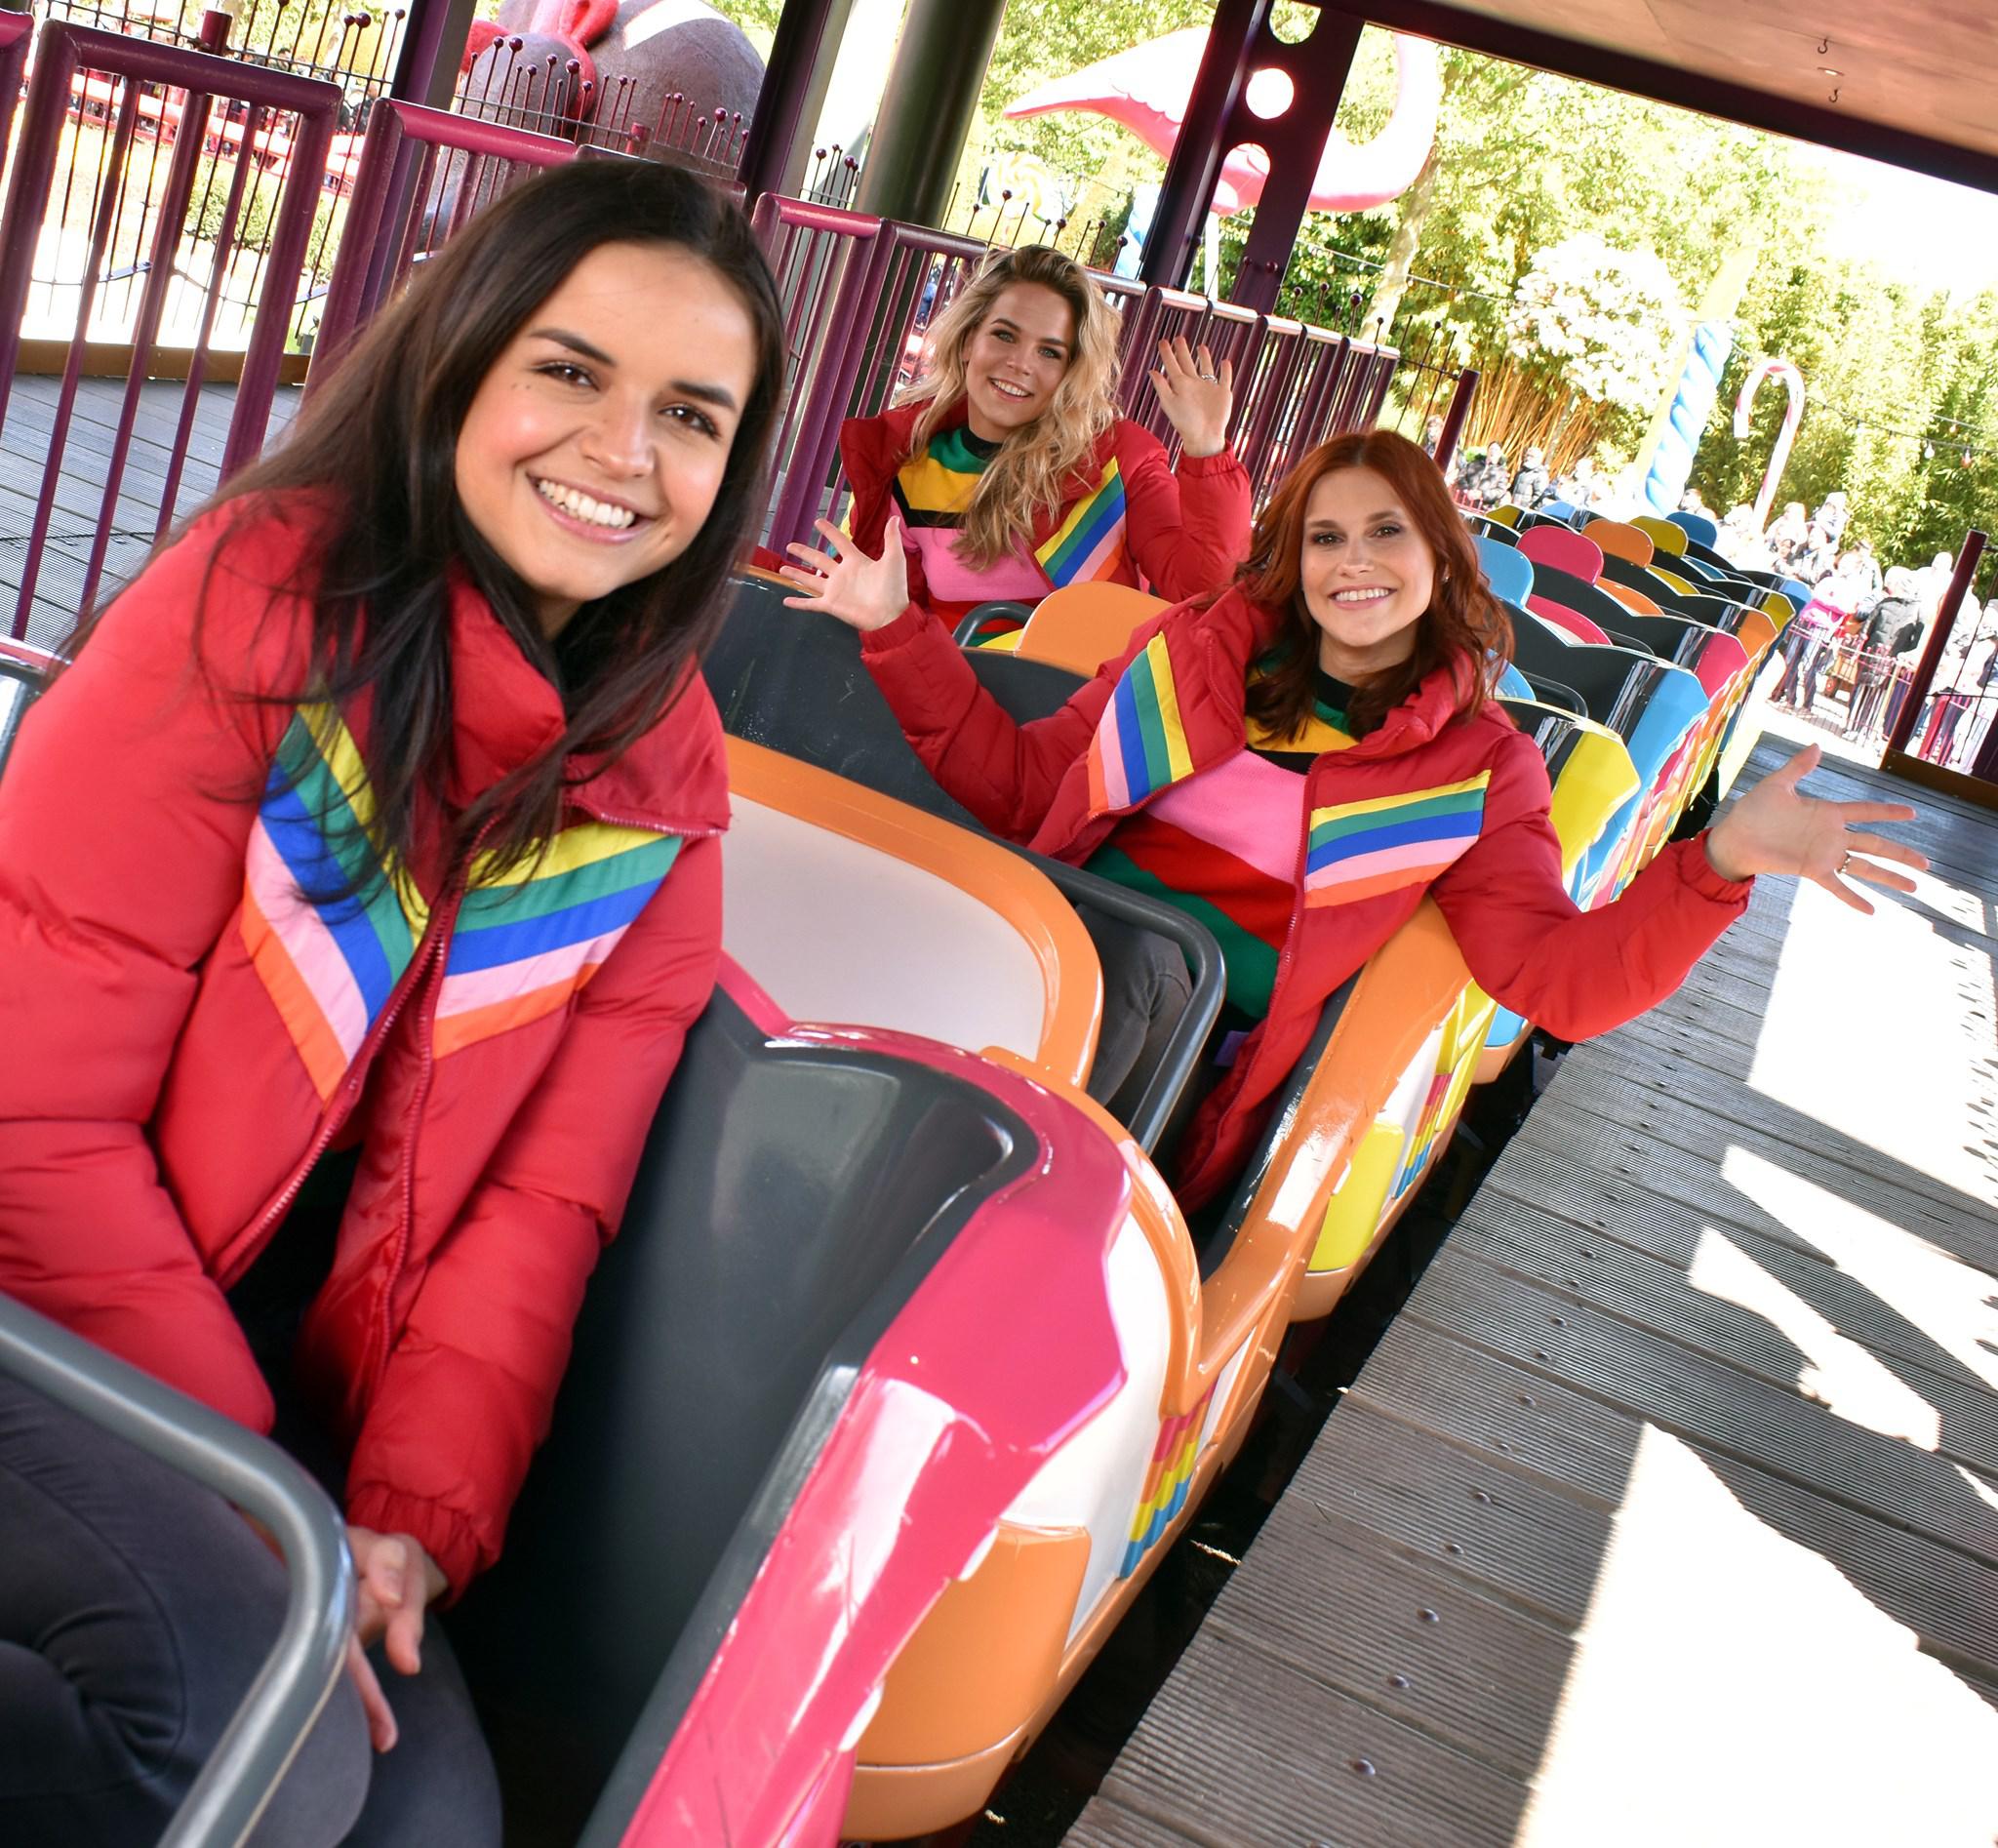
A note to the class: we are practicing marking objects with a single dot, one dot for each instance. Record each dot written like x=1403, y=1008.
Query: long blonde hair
x=1023, y=483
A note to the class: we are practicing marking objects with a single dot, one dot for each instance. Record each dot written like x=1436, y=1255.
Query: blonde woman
x=1006, y=471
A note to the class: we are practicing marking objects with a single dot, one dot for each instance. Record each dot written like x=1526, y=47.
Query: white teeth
x=580, y=506
x=1012, y=391
x=1359, y=596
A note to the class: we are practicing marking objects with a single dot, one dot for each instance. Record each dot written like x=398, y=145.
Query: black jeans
x=135, y=1610
x=1145, y=990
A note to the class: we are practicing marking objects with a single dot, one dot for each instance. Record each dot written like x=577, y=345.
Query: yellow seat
x=1085, y=625
x=1665, y=537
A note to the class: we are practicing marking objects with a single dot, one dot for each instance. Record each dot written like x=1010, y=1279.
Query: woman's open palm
x=1774, y=828
x=864, y=593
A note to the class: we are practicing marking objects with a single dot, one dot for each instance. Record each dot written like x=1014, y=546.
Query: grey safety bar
x=299, y=1673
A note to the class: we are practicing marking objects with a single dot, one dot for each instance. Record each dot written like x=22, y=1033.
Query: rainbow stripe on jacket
x=1360, y=850
x=1141, y=741
x=1089, y=546
x=522, y=941
x=526, y=941
x=330, y=964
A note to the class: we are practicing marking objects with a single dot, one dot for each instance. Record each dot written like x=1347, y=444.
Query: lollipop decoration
x=1793, y=383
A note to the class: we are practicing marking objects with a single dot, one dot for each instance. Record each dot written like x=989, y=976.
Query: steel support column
x=1294, y=141
x=926, y=111
x=1197, y=155
x=794, y=91
x=434, y=41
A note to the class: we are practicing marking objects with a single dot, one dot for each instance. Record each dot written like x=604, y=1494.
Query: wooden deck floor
x=1667, y=1511
x=86, y=459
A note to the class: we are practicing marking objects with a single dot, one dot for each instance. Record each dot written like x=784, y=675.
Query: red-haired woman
x=1299, y=760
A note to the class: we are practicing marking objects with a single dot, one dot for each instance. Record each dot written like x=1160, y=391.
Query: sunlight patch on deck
x=1949, y=1302
x=1838, y=1372
x=1731, y=1686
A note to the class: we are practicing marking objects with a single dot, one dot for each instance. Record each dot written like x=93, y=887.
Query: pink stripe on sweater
x=1247, y=806
x=1436, y=853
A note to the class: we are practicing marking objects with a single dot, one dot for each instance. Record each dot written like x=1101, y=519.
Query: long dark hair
x=1464, y=621
x=376, y=447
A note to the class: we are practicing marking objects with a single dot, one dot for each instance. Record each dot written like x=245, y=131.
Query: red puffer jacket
x=1127, y=516
x=187, y=1030
x=1425, y=804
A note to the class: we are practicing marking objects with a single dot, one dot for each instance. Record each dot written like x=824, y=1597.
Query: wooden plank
x=1428, y=1378
x=1107, y=1823
x=1523, y=1540
x=1707, y=1116
x=1650, y=1144
x=1708, y=1403
x=1305, y=1764
x=1333, y=1600
x=1554, y=1251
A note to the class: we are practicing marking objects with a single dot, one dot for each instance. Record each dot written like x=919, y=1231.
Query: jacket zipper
x=420, y=1095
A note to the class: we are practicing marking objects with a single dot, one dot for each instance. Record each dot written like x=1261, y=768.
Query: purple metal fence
x=909, y=276
x=128, y=71
x=821, y=259
x=411, y=193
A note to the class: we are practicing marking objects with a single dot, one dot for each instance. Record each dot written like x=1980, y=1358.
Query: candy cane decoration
x=1793, y=383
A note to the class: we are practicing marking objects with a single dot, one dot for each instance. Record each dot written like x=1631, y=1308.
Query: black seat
x=1575, y=593
x=1549, y=730
x=1675, y=638
x=793, y=681
x=716, y=1347
x=1614, y=684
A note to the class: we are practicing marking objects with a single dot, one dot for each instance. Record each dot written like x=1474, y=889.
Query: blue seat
x=1510, y=573
x=1697, y=527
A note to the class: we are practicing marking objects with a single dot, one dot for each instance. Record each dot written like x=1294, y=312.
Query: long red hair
x=1464, y=623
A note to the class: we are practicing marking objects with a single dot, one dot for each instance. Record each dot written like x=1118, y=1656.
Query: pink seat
x=1573, y=552
x=1571, y=623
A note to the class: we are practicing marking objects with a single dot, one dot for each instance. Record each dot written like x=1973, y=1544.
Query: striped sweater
x=1222, y=846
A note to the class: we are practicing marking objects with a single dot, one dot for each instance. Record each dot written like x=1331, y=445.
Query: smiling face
x=1365, y=574
x=595, y=445
x=1015, y=358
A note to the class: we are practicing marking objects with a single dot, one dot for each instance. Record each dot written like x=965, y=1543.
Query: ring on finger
x=1845, y=865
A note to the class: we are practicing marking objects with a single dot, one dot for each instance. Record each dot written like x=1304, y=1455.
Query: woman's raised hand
x=864, y=593
x=1196, y=394
x=1774, y=830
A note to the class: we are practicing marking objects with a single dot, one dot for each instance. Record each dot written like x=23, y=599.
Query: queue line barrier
x=118, y=237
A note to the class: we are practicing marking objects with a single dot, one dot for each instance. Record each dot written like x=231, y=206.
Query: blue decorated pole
x=1676, y=432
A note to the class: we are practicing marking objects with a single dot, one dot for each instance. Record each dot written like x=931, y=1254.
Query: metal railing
x=290, y=1689
x=128, y=73
x=423, y=173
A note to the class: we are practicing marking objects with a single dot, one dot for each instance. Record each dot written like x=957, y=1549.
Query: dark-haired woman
x=357, y=886
x=1299, y=760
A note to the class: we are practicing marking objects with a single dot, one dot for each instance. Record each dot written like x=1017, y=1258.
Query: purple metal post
x=1318, y=67
x=434, y=41
x=1960, y=580
x=1197, y=155
x=1456, y=417
x=778, y=120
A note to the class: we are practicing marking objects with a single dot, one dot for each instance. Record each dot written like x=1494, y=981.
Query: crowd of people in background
x=1862, y=630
